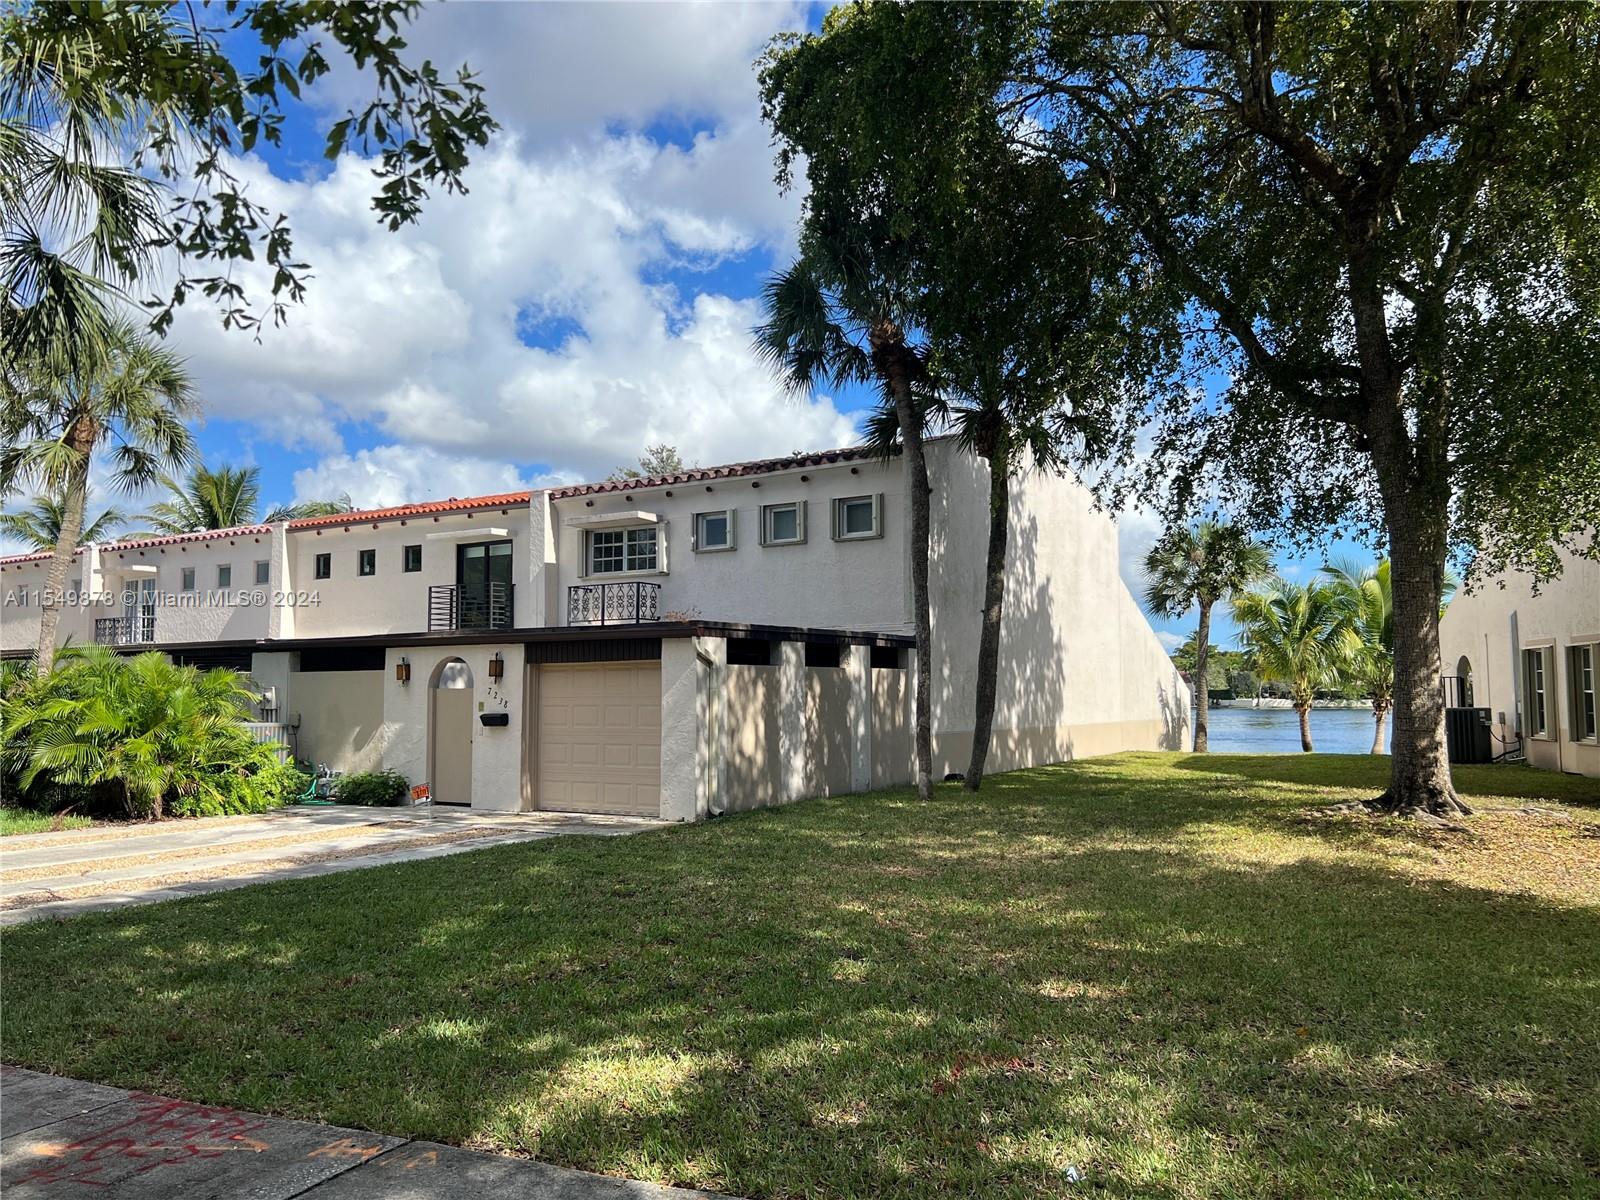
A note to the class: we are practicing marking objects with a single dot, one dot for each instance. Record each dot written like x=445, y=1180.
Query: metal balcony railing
x=630, y=603
x=125, y=631
x=451, y=607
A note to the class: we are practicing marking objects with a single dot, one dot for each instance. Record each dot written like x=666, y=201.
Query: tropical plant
x=310, y=508
x=129, y=402
x=1298, y=635
x=1196, y=567
x=372, y=787
x=106, y=105
x=1369, y=593
x=840, y=314
x=39, y=524
x=137, y=735
x=220, y=498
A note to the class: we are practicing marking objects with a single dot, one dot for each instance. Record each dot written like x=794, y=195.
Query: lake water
x=1277, y=730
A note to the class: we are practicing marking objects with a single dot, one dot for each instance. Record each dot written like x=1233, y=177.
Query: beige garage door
x=600, y=738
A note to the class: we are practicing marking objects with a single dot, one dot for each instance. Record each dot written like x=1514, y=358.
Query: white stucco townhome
x=678, y=646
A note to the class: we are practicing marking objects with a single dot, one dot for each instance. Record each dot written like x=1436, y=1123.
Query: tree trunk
x=1305, y=726
x=72, y=506
x=1380, y=712
x=1202, y=683
x=917, y=489
x=994, y=592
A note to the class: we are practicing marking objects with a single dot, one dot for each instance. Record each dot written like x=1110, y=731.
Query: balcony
x=632, y=603
x=125, y=631
x=451, y=607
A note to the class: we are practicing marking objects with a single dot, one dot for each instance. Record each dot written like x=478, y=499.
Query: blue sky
x=593, y=293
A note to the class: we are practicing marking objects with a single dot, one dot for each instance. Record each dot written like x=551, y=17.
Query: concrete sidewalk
x=62, y=1137
x=63, y=874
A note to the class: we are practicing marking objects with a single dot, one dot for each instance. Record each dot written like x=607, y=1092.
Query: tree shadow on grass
x=1370, y=773
x=830, y=1001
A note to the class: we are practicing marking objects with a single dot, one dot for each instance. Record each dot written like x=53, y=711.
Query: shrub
x=135, y=737
x=372, y=787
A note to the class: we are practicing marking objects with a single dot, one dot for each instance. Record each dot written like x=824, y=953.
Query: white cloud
x=387, y=475
x=573, y=230
x=1171, y=641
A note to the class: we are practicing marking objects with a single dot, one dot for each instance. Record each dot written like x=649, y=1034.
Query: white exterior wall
x=1489, y=628
x=1081, y=671
x=820, y=584
x=393, y=600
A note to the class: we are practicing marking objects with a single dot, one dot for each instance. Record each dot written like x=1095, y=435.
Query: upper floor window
x=713, y=530
x=1535, y=693
x=366, y=562
x=1580, y=670
x=224, y=576
x=263, y=572
x=411, y=558
x=783, y=524
x=616, y=550
x=857, y=517
x=186, y=579
x=322, y=566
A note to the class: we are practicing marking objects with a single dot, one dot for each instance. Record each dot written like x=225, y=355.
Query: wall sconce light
x=402, y=670
x=497, y=667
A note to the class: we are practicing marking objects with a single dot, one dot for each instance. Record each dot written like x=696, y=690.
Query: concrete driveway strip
x=132, y=1146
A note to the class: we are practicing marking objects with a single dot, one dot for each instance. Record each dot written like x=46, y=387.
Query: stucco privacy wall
x=341, y=715
x=1081, y=671
x=1490, y=627
x=819, y=583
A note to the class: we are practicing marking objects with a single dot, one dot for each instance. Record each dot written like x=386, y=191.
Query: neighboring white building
x=682, y=645
x=1532, y=661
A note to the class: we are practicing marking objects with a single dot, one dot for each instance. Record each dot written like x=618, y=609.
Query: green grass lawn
x=22, y=820
x=1167, y=972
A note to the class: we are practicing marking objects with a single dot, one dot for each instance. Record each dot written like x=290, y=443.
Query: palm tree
x=1370, y=597
x=39, y=525
x=207, y=499
x=310, y=508
x=77, y=226
x=1299, y=636
x=1200, y=565
x=130, y=402
x=841, y=314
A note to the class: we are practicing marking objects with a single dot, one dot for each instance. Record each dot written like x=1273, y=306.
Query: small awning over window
x=613, y=520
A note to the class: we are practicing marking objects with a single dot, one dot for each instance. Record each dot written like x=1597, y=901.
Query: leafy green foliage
x=136, y=737
x=1298, y=635
x=656, y=460
x=155, y=86
x=207, y=498
x=39, y=524
x=1202, y=564
x=375, y=788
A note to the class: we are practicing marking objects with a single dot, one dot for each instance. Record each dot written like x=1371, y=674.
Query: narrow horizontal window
x=886, y=658
x=822, y=654
x=750, y=652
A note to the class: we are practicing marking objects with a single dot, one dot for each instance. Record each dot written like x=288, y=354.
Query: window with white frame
x=783, y=524
x=615, y=551
x=713, y=531
x=1580, y=673
x=857, y=517
x=1535, y=694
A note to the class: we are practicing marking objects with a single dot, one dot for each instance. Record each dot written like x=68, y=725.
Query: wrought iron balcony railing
x=628, y=603
x=451, y=607
x=125, y=631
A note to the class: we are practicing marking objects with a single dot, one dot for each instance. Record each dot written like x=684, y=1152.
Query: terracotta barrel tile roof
x=760, y=466
x=426, y=508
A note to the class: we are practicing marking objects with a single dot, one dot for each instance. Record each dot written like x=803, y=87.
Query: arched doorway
x=1463, y=682
x=450, y=733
